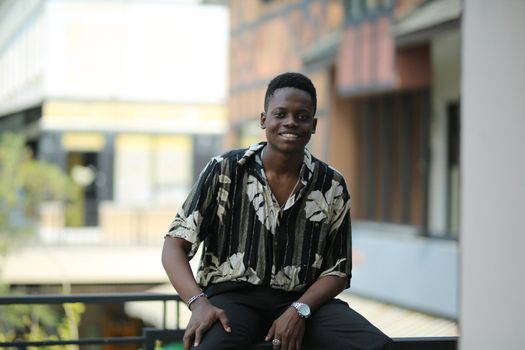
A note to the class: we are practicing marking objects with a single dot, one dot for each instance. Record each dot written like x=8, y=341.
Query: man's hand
x=289, y=329
x=203, y=316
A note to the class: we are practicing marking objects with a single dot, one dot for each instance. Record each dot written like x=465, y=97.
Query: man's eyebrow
x=277, y=108
x=309, y=110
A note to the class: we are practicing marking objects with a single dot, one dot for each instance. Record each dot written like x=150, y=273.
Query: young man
x=275, y=226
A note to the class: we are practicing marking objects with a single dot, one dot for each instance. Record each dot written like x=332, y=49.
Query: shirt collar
x=307, y=169
x=253, y=149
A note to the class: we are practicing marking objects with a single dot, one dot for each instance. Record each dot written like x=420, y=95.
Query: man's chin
x=290, y=148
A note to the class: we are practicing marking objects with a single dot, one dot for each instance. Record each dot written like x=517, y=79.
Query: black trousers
x=252, y=310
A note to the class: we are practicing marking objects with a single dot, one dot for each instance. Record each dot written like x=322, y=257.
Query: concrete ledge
x=423, y=343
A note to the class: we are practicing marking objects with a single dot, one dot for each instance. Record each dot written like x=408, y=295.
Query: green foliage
x=24, y=184
x=41, y=322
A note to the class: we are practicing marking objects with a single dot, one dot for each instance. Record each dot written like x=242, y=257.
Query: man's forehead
x=288, y=92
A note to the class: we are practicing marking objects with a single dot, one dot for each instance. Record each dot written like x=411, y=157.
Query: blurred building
x=387, y=76
x=122, y=96
x=119, y=94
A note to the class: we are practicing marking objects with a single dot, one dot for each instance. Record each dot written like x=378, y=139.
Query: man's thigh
x=246, y=323
x=336, y=326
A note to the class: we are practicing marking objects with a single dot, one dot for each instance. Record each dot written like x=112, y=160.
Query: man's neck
x=281, y=163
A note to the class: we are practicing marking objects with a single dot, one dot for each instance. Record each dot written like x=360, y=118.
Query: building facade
x=120, y=97
x=117, y=95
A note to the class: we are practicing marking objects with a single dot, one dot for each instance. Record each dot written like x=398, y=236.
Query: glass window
x=453, y=168
x=386, y=3
x=353, y=9
x=393, y=158
x=356, y=8
x=371, y=5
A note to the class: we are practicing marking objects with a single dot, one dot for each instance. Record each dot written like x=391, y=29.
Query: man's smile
x=289, y=135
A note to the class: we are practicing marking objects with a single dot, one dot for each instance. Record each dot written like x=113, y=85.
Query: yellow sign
x=83, y=141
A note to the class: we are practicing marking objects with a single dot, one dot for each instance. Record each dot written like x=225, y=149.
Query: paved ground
x=84, y=264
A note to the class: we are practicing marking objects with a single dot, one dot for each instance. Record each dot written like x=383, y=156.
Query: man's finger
x=284, y=343
x=198, y=336
x=270, y=334
x=225, y=321
x=298, y=343
x=186, y=339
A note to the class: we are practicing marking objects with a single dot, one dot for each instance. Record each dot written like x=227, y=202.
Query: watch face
x=304, y=310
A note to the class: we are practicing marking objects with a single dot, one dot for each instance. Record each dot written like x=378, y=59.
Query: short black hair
x=291, y=79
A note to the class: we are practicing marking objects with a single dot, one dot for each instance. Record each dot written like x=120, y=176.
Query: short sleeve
x=198, y=208
x=338, y=257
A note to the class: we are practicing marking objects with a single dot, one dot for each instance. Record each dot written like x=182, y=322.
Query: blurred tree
x=25, y=183
x=40, y=322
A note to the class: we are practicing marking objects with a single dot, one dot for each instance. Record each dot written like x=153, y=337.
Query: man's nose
x=290, y=120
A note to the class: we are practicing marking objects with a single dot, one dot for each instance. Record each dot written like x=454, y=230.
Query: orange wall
x=343, y=145
x=268, y=38
x=413, y=67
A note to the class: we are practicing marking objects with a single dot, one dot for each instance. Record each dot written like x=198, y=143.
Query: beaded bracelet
x=194, y=298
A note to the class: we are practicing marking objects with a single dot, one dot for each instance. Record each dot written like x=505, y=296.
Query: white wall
x=492, y=236
x=21, y=51
x=404, y=269
x=445, y=51
x=137, y=50
x=156, y=51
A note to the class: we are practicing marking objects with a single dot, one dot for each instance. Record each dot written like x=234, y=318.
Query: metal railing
x=150, y=336
x=146, y=339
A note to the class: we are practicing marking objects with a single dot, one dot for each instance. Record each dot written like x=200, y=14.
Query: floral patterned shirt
x=249, y=237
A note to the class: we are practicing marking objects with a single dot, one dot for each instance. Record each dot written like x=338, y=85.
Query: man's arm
x=324, y=289
x=177, y=266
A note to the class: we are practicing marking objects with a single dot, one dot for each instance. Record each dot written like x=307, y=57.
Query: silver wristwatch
x=302, y=309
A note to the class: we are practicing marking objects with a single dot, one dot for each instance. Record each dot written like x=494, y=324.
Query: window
x=393, y=158
x=453, y=138
x=357, y=10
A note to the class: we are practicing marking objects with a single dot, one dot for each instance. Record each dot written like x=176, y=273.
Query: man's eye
x=279, y=114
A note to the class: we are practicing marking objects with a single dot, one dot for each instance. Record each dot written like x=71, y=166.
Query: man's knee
x=337, y=326
x=216, y=338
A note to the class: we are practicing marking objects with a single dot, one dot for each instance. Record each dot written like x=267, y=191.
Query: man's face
x=289, y=121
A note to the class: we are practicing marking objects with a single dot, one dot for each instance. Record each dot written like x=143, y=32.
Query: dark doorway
x=83, y=167
x=453, y=136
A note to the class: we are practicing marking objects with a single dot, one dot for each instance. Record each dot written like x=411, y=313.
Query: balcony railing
x=150, y=336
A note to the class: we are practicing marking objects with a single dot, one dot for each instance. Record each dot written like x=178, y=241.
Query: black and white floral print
x=248, y=237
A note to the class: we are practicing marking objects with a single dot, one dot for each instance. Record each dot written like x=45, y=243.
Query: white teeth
x=289, y=136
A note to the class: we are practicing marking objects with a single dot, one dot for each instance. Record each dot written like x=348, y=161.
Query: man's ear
x=314, y=125
x=263, y=120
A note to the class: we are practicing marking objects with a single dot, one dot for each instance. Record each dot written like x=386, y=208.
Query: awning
x=84, y=264
x=427, y=20
x=323, y=51
x=152, y=313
